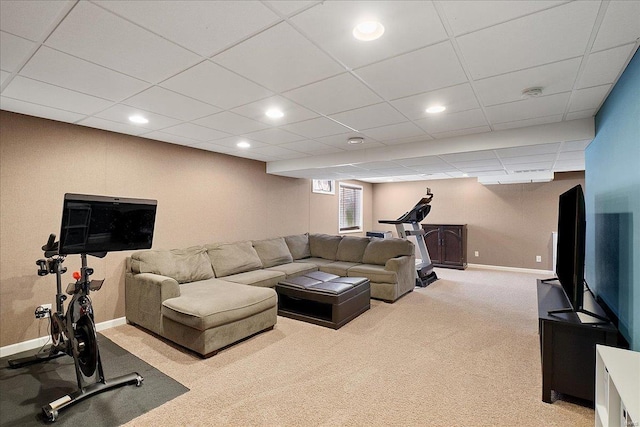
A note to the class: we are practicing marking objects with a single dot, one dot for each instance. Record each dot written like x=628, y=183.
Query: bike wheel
x=87, y=345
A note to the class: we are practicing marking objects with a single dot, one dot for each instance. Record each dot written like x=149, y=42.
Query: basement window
x=350, y=208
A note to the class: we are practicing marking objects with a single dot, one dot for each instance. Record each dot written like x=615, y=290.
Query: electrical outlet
x=476, y=253
x=538, y=258
x=43, y=311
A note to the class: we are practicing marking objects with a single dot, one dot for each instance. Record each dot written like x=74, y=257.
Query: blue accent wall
x=612, y=196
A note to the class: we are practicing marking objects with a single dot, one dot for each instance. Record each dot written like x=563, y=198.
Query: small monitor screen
x=92, y=224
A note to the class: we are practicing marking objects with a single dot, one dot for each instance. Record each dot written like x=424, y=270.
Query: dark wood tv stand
x=568, y=345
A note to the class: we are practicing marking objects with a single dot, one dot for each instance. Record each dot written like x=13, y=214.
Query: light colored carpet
x=462, y=352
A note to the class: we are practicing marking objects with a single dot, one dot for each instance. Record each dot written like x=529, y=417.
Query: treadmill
x=424, y=266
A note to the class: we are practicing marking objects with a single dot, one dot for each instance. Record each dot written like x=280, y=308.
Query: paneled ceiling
x=203, y=73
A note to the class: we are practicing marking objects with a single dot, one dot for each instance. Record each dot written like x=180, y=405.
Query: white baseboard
x=39, y=342
x=514, y=269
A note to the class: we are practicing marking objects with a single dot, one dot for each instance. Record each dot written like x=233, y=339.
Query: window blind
x=350, y=207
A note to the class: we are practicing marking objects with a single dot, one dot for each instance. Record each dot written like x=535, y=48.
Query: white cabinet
x=617, y=387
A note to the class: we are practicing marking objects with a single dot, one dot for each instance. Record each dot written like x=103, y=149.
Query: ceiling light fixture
x=138, y=119
x=274, y=113
x=532, y=92
x=436, y=109
x=243, y=144
x=368, y=31
x=355, y=140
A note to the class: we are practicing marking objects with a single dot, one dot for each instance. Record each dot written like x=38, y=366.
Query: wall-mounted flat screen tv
x=571, y=245
x=98, y=224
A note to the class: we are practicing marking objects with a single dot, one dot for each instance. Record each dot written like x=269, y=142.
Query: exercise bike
x=73, y=333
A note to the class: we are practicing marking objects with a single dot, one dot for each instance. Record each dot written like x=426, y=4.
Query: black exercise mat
x=24, y=391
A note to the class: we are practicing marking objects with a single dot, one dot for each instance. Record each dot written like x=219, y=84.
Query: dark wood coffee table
x=323, y=299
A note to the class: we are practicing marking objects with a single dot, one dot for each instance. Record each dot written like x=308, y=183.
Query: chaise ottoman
x=323, y=299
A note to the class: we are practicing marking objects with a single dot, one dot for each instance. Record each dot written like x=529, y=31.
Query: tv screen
x=571, y=245
x=94, y=224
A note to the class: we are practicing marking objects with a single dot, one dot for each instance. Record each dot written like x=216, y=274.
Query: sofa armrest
x=405, y=268
x=144, y=294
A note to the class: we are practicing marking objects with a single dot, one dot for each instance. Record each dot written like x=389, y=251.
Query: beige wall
x=202, y=197
x=507, y=224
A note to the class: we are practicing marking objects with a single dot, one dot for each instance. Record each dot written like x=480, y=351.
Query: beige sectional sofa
x=208, y=297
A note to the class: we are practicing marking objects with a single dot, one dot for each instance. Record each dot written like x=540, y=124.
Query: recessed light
x=436, y=109
x=138, y=119
x=355, y=140
x=243, y=144
x=465, y=175
x=274, y=113
x=368, y=31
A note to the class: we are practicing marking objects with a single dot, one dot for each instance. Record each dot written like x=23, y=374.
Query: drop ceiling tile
x=15, y=50
x=36, y=110
x=407, y=140
x=367, y=117
x=31, y=19
x=528, y=122
x=483, y=164
x=544, y=37
x=552, y=78
x=173, y=139
x=340, y=141
x=189, y=23
x=292, y=111
x=335, y=94
x=98, y=123
x=96, y=35
x=591, y=98
x=394, y=132
x=310, y=146
x=619, y=26
x=199, y=133
x=278, y=152
x=273, y=136
x=528, y=108
x=162, y=101
x=571, y=155
x=4, y=75
x=454, y=98
x=568, y=165
x=584, y=114
x=408, y=25
x=529, y=167
x=421, y=161
x=451, y=122
x=288, y=7
x=472, y=15
x=439, y=168
x=279, y=59
x=213, y=84
x=469, y=156
x=378, y=165
x=60, y=69
x=528, y=159
x=120, y=113
x=228, y=122
x=253, y=156
x=316, y=128
x=397, y=171
x=36, y=92
x=423, y=70
x=210, y=146
x=461, y=132
x=575, y=145
x=528, y=150
x=604, y=67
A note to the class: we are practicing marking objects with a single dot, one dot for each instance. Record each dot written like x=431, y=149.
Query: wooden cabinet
x=447, y=245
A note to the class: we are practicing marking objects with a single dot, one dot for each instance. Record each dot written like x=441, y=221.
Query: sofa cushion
x=375, y=273
x=295, y=268
x=351, y=248
x=298, y=245
x=260, y=278
x=273, y=252
x=207, y=304
x=378, y=251
x=183, y=265
x=324, y=246
x=233, y=258
x=339, y=268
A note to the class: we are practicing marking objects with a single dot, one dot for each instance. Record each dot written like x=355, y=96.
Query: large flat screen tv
x=99, y=224
x=571, y=245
